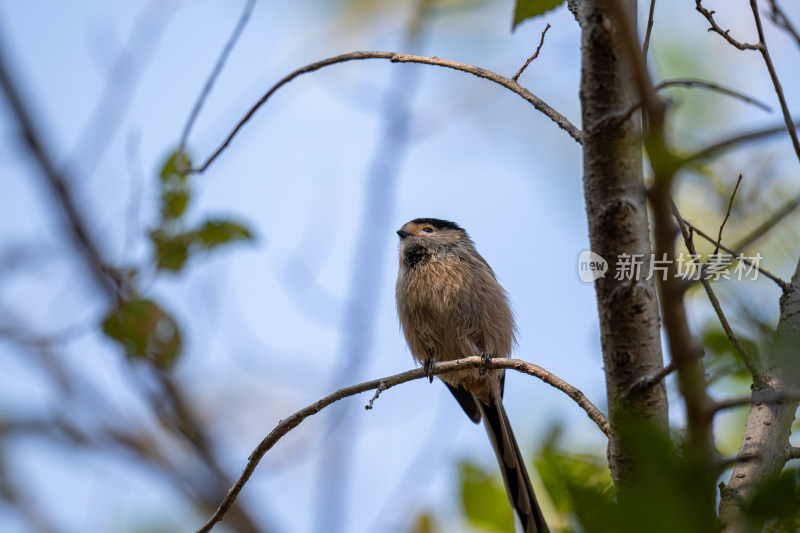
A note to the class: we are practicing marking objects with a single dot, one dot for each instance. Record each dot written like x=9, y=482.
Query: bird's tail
x=512, y=466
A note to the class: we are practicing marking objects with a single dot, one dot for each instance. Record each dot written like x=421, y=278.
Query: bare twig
x=289, y=423
x=787, y=209
x=688, y=82
x=709, y=15
x=655, y=379
x=381, y=387
x=649, y=30
x=724, y=145
x=215, y=72
x=516, y=76
x=727, y=214
x=778, y=281
x=787, y=116
x=757, y=398
x=761, y=46
x=508, y=83
x=779, y=18
x=723, y=462
x=750, y=362
x=793, y=453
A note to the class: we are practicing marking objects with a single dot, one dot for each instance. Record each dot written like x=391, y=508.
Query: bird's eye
x=427, y=229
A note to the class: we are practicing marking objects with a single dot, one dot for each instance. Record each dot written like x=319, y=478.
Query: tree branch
x=649, y=30
x=768, y=426
x=516, y=76
x=655, y=379
x=215, y=72
x=779, y=18
x=787, y=209
x=752, y=364
x=778, y=281
x=689, y=82
x=727, y=215
x=761, y=46
x=394, y=57
x=757, y=399
x=713, y=150
x=289, y=423
x=709, y=15
x=776, y=83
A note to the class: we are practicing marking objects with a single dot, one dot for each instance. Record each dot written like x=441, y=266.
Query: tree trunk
x=616, y=207
x=765, y=444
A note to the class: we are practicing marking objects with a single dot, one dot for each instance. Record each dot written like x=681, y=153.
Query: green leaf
x=779, y=501
x=213, y=233
x=485, y=500
x=176, y=166
x=172, y=251
x=174, y=202
x=526, y=9
x=146, y=332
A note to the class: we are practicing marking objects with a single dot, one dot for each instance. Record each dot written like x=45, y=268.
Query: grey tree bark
x=765, y=444
x=615, y=198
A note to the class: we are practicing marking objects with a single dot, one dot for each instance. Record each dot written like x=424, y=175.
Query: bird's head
x=431, y=231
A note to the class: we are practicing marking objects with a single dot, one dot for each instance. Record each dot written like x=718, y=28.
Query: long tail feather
x=512, y=466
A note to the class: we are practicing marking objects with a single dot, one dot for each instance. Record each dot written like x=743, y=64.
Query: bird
x=450, y=306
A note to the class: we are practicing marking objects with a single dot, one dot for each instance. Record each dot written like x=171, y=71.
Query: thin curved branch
x=761, y=46
x=649, y=30
x=725, y=34
x=774, y=219
x=779, y=18
x=516, y=76
x=713, y=150
x=776, y=83
x=752, y=363
x=785, y=286
x=691, y=82
x=394, y=57
x=215, y=72
x=757, y=398
x=292, y=421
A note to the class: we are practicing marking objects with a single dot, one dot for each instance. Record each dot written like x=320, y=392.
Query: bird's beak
x=403, y=233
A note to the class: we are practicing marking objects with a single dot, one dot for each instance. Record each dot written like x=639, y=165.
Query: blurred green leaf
x=174, y=202
x=722, y=359
x=668, y=500
x=175, y=166
x=172, y=251
x=485, y=501
x=146, y=331
x=561, y=472
x=213, y=233
x=785, y=350
x=526, y=9
x=424, y=523
x=779, y=502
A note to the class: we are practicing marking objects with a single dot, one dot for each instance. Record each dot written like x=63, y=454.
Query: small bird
x=451, y=306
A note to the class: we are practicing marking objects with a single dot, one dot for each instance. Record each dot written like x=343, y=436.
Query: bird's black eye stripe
x=427, y=229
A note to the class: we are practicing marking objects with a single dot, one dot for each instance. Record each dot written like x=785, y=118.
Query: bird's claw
x=427, y=365
x=485, y=358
